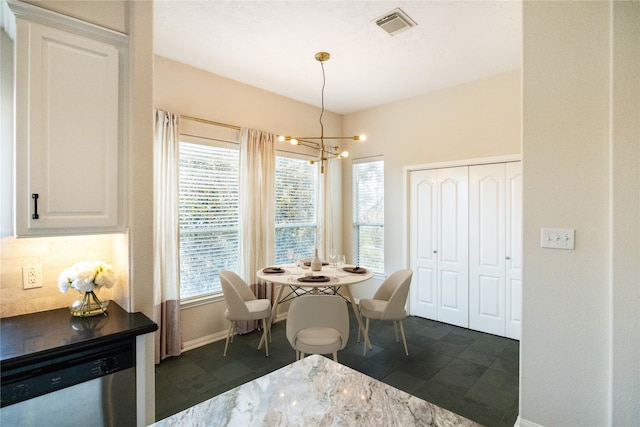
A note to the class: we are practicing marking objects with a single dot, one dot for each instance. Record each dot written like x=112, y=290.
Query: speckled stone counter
x=315, y=391
x=29, y=338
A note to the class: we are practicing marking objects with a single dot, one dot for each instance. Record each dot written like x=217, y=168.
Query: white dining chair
x=388, y=303
x=318, y=324
x=242, y=304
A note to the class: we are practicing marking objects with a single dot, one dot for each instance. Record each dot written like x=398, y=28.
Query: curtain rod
x=209, y=122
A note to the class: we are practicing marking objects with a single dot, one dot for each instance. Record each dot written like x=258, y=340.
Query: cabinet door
x=67, y=132
x=438, y=244
x=513, y=239
x=487, y=248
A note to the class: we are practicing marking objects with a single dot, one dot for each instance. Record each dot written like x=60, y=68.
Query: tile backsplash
x=54, y=254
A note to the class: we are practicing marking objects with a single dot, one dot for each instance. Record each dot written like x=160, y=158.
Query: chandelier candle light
x=311, y=141
x=87, y=277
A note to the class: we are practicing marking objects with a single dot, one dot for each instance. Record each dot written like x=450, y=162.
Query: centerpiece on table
x=87, y=277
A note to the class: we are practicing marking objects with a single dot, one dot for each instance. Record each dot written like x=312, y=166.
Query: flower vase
x=88, y=304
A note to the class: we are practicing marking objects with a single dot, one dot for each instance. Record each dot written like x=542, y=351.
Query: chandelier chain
x=324, y=81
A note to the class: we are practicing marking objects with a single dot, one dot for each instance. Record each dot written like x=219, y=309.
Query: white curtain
x=166, y=237
x=257, y=202
x=324, y=234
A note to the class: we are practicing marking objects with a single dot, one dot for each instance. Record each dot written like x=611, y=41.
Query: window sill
x=201, y=300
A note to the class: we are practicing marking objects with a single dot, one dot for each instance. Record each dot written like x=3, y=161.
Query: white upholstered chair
x=318, y=324
x=388, y=303
x=242, y=304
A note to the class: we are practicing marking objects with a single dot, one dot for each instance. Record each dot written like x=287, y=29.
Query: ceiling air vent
x=395, y=22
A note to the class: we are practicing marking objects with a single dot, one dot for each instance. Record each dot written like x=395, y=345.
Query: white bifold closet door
x=439, y=244
x=495, y=248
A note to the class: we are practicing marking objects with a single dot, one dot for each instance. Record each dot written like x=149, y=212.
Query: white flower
x=65, y=278
x=105, y=276
x=87, y=276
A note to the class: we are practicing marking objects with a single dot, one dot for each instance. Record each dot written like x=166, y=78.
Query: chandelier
x=318, y=142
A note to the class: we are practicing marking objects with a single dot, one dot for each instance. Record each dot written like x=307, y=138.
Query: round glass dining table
x=302, y=281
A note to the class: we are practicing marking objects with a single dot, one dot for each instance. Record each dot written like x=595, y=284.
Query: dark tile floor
x=470, y=373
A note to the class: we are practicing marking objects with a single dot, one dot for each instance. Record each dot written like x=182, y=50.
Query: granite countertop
x=316, y=391
x=48, y=333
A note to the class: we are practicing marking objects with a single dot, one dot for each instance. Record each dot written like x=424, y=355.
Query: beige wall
x=187, y=90
x=580, y=343
x=625, y=217
x=139, y=158
x=474, y=120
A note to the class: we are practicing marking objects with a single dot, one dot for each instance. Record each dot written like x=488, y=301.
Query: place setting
x=274, y=270
x=298, y=271
x=355, y=270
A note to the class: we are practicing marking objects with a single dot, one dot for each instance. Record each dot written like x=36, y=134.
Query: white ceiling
x=272, y=45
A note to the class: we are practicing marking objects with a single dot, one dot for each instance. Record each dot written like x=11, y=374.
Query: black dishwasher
x=80, y=372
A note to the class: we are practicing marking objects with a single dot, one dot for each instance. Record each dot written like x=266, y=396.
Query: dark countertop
x=34, y=336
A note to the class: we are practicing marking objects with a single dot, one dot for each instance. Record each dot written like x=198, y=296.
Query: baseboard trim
x=521, y=422
x=218, y=336
x=208, y=339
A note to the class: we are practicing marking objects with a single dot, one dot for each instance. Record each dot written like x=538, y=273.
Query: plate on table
x=273, y=270
x=355, y=270
x=314, y=279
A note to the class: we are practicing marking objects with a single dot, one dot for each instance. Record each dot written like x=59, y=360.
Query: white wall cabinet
x=495, y=248
x=465, y=245
x=69, y=131
x=439, y=244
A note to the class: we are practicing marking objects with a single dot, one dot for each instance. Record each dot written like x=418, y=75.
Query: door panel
x=486, y=248
x=453, y=246
x=423, y=244
x=490, y=301
x=449, y=298
x=426, y=291
x=513, y=240
x=439, y=205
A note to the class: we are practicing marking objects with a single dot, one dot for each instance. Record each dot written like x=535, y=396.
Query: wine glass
x=332, y=256
x=341, y=260
x=298, y=263
x=290, y=255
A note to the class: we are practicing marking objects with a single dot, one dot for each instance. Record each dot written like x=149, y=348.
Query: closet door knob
x=507, y=258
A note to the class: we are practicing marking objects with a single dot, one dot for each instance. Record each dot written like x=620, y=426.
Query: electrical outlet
x=31, y=276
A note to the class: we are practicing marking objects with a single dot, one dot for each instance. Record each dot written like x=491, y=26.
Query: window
x=295, y=219
x=209, y=216
x=209, y=211
x=368, y=214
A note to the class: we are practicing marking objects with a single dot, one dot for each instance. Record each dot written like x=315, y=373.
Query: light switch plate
x=558, y=238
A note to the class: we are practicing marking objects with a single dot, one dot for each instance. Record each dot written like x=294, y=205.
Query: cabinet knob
x=507, y=258
x=435, y=252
